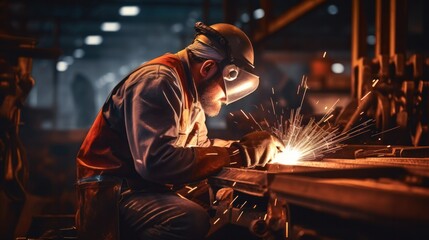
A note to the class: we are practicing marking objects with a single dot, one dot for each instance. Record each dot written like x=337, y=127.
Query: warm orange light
x=288, y=156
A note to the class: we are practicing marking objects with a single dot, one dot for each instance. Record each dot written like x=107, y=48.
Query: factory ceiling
x=167, y=25
x=66, y=24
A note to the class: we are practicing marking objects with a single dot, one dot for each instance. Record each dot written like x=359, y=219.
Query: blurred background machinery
x=370, y=57
x=15, y=84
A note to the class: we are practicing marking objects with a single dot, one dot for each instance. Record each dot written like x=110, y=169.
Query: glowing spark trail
x=239, y=216
x=305, y=141
x=244, y=113
x=260, y=127
x=192, y=189
x=385, y=131
x=233, y=200
x=312, y=140
x=365, y=95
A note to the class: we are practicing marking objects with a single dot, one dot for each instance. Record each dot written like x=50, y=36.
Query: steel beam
x=286, y=18
x=359, y=30
x=398, y=26
x=382, y=27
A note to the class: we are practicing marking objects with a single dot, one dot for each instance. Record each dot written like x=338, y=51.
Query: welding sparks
x=212, y=154
x=328, y=118
x=192, y=189
x=374, y=82
x=180, y=195
x=239, y=216
x=385, y=131
x=304, y=141
x=233, y=200
x=244, y=113
x=324, y=54
x=366, y=95
x=312, y=140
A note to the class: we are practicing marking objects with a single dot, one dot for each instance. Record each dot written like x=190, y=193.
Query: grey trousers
x=161, y=215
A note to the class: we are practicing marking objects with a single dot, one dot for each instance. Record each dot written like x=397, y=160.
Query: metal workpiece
x=243, y=198
x=255, y=181
x=382, y=196
x=264, y=217
x=362, y=194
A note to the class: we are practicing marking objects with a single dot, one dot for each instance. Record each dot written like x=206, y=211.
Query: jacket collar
x=183, y=56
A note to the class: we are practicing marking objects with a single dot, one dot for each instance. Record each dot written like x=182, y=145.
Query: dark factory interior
x=344, y=84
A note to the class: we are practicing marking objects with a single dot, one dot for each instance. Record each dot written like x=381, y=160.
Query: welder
x=150, y=135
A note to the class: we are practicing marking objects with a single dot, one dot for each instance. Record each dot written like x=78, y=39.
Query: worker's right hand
x=258, y=148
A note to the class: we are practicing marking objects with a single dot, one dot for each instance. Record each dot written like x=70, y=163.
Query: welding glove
x=258, y=148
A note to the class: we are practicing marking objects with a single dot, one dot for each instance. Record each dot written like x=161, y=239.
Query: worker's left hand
x=258, y=148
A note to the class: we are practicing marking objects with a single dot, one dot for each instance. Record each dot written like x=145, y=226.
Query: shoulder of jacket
x=155, y=70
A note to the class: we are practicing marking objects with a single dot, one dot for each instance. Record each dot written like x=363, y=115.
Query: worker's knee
x=163, y=216
x=195, y=223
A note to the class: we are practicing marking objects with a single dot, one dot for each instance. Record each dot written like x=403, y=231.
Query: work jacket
x=151, y=129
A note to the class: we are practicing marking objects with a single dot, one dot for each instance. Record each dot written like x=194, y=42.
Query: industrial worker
x=150, y=134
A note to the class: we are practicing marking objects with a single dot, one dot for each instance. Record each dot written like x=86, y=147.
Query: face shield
x=238, y=83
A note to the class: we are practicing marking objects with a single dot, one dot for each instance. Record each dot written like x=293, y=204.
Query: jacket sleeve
x=152, y=109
